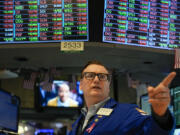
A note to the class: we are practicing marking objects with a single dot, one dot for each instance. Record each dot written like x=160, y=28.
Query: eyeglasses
x=92, y=75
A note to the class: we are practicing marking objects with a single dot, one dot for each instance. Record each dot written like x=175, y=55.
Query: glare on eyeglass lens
x=92, y=75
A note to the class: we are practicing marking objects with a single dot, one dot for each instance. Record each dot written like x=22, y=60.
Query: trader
x=104, y=116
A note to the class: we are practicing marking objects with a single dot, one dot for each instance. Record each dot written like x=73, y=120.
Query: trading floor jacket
x=125, y=119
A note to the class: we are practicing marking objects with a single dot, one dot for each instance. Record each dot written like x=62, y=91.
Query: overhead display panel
x=148, y=23
x=29, y=21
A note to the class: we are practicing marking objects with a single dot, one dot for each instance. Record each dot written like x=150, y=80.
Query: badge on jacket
x=104, y=111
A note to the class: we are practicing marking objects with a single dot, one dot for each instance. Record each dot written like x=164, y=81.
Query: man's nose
x=96, y=78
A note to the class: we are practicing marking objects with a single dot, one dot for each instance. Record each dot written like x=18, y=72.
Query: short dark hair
x=96, y=62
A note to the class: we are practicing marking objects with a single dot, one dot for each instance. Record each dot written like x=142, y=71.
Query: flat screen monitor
x=61, y=93
x=9, y=110
x=176, y=102
x=44, y=132
x=153, y=23
x=177, y=131
x=35, y=21
x=144, y=104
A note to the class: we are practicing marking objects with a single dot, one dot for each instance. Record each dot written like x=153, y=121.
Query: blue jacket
x=125, y=119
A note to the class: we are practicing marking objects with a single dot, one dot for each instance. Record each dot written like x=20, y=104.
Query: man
x=104, y=116
x=63, y=98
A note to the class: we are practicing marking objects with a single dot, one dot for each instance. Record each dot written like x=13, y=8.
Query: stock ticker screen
x=148, y=23
x=29, y=21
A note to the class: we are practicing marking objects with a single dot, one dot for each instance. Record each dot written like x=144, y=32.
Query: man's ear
x=80, y=85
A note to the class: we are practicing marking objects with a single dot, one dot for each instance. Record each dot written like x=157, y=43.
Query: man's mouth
x=96, y=87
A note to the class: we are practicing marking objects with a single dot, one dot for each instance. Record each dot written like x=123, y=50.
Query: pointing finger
x=150, y=91
x=168, y=79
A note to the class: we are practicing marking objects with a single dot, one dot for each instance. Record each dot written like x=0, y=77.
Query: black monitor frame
x=53, y=112
x=15, y=100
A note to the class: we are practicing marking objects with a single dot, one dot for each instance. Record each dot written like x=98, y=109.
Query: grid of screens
x=29, y=21
x=148, y=23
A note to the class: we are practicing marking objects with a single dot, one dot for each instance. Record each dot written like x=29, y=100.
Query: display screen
x=44, y=132
x=177, y=131
x=29, y=21
x=9, y=111
x=144, y=104
x=176, y=102
x=148, y=23
x=61, y=94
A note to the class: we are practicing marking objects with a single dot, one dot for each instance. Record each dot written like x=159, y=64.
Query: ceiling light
x=7, y=74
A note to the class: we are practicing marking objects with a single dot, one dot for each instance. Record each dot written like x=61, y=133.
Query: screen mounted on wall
x=61, y=94
x=148, y=23
x=34, y=21
x=176, y=101
x=9, y=110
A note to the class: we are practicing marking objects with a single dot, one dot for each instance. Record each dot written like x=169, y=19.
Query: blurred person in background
x=63, y=97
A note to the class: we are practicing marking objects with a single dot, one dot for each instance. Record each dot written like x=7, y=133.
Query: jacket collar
x=96, y=120
x=99, y=118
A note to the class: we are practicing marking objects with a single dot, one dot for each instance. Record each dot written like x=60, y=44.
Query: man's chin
x=96, y=93
x=63, y=100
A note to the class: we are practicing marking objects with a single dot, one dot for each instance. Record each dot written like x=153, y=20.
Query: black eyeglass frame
x=108, y=76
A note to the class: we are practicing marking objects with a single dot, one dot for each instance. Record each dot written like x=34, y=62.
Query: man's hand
x=159, y=96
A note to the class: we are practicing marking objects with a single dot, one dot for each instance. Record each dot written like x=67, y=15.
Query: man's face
x=63, y=93
x=95, y=88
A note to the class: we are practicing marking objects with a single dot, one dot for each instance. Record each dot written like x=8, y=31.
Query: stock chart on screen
x=148, y=23
x=29, y=21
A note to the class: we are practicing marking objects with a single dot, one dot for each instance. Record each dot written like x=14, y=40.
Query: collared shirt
x=88, y=113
